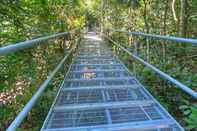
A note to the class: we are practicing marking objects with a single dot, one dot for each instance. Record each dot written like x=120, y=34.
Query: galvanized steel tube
x=159, y=37
x=159, y=72
x=20, y=117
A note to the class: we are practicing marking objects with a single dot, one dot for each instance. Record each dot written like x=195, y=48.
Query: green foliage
x=178, y=60
x=190, y=113
x=22, y=73
x=26, y=19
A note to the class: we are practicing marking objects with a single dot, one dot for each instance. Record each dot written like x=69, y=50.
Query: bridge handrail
x=20, y=117
x=31, y=43
x=153, y=36
x=159, y=72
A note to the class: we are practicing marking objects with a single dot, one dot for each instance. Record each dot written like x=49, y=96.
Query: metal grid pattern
x=62, y=119
x=150, y=110
x=95, y=57
x=80, y=97
x=124, y=95
x=93, y=49
x=89, y=61
x=95, y=67
x=126, y=114
x=99, y=94
x=99, y=116
x=164, y=129
x=98, y=74
x=104, y=82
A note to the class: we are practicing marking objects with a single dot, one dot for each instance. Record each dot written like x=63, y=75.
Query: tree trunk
x=165, y=18
x=173, y=10
x=103, y=2
x=164, y=33
x=147, y=29
x=145, y=16
x=183, y=18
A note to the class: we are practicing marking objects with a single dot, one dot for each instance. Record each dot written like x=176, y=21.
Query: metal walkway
x=99, y=93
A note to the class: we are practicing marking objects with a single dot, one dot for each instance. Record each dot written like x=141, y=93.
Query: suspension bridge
x=98, y=92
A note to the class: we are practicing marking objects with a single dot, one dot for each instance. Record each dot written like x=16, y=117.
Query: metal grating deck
x=99, y=94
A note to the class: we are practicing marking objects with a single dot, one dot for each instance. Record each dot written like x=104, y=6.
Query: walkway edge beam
x=20, y=117
x=162, y=74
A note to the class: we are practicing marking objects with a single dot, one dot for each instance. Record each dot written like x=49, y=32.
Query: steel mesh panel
x=98, y=116
x=95, y=67
x=151, y=130
x=166, y=129
x=151, y=111
x=92, y=50
x=171, y=128
x=175, y=127
x=63, y=119
x=91, y=117
x=161, y=129
x=95, y=43
x=83, y=75
x=116, y=74
x=94, y=57
x=123, y=95
x=94, y=54
x=120, y=82
x=79, y=97
x=88, y=43
x=98, y=96
x=100, y=105
x=92, y=46
x=82, y=83
x=127, y=114
x=94, y=74
x=88, y=83
x=134, y=114
x=96, y=62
